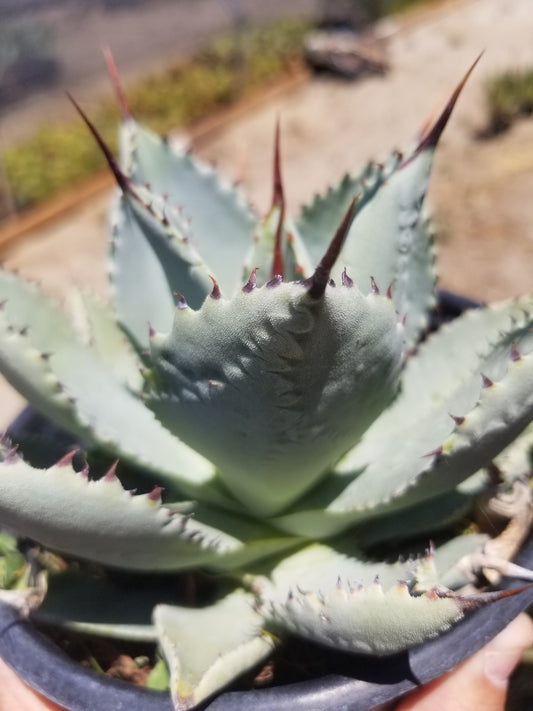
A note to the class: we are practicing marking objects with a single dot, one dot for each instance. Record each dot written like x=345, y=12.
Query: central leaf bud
x=274, y=385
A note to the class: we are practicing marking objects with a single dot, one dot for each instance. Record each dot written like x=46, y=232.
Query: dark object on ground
x=346, y=53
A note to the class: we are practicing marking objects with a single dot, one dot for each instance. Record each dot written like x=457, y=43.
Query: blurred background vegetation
x=509, y=96
x=253, y=45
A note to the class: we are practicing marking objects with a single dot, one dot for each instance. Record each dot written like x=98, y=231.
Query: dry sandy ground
x=482, y=190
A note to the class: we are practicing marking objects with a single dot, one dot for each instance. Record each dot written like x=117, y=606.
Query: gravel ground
x=481, y=188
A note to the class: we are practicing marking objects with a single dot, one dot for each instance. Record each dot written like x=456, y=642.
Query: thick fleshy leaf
x=321, y=217
x=357, y=605
x=487, y=418
x=233, y=641
x=391, y=242
x=101, y=521
x=154, y=251
x=108, y=341
x=321, y=564
x=398, y=461
x=367, y=620
x=149, y=249
x=268, y=371
x=42, y=357
x=150, y=261
x=219, y=219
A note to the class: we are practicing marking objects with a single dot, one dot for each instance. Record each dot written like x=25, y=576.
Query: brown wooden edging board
x=14, y=229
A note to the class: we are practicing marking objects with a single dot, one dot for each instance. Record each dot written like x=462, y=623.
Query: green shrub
x=509, y=95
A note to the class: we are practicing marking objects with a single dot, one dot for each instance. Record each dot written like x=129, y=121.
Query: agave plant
x=276, y=378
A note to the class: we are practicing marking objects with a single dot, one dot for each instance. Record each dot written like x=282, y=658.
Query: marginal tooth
x=66, y=460
x=486, y=382
x=438, y=452
x=457, y=419
x=186, y=518
x=110, y=475
x=155, y=494
x=346, y=280
x=402, y=588
x=215, y=294
x=374, y=288
x=275, y=281
x=251, y=283
x=389, y=292
x=515, y=353
x=12, y=455
x=432, y=594
x=182, y=304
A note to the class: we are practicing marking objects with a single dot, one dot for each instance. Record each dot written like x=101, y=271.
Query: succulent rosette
x=277, y=379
